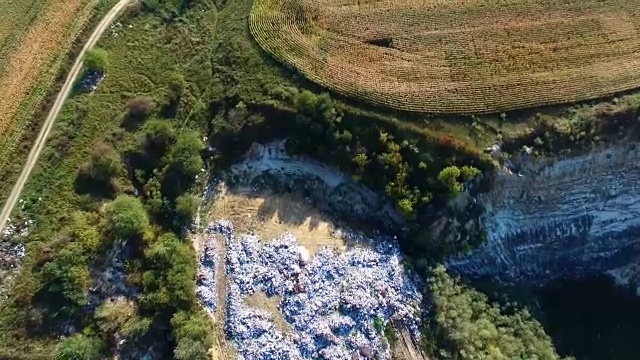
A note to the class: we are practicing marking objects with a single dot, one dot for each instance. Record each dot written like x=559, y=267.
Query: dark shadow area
x=96, y=189
x=381, y=42
x=592, y=319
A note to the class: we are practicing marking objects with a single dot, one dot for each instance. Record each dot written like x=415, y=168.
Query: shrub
x=105, y=163
x=448, y=177
x=96, y=60
x=80, y=347
x=127, y=217
x=140, y=106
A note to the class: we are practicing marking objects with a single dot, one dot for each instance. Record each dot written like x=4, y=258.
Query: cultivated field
x=34, y=38
x=465, y=56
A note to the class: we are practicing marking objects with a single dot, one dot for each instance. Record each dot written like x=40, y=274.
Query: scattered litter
x=92, y=80
x=331, y=301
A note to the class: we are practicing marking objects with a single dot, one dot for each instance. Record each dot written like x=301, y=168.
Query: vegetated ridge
x=456, y=57
x=55, y=110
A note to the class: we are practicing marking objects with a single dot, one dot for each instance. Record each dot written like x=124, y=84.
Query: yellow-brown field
x=457, y=56
x=34, y=37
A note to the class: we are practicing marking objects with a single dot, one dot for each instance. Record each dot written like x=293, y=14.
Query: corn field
x=462, y=56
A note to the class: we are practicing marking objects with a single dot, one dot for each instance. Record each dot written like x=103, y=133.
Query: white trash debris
x=206, y=285
x=334, y=303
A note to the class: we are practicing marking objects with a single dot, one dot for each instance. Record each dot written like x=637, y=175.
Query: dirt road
x=55, y=110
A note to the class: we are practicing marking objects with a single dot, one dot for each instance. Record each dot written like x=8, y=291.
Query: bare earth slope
x=468, y=56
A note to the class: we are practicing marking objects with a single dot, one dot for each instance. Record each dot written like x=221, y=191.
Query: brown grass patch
x=467, y=56
x=270, y=215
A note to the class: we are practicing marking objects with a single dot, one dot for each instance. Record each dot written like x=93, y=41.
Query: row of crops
x=446, y=58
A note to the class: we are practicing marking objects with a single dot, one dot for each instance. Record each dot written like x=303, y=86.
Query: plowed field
x=457, y=56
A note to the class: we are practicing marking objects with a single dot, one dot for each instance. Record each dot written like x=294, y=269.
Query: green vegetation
x=127, y=217
x=80, y=347
x=96, y=60
x=466, y=326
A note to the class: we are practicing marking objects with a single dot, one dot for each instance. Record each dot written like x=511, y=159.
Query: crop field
x=35, y=36
x=464, y=56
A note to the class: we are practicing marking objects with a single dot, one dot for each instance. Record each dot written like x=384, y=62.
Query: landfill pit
x=336, y=304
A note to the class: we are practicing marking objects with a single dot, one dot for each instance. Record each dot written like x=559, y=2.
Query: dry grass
x=270, y=215
x=465, y=56
x=37, y=47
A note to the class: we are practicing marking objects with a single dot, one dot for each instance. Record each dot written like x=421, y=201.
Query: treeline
x=464, y=325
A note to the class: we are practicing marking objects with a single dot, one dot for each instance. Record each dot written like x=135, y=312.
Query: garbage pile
x=92, y=80
x=11, y=255
x=206, y=285
x=336, y=304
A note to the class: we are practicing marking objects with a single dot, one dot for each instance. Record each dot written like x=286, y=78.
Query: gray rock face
x=576, y=217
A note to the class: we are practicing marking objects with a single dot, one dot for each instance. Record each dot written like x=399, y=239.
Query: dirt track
x=55, y=110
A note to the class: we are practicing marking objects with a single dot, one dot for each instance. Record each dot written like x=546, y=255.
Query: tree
x=140, y=107
x=96, y=60
x=80, y=347
x=185, y=154
x=468, y=172
x=193, y=335
x=307, y=103
x=168, y=282
x=186, y=208
x=448, y=176
x=66, y=277
x=406, y=207
x=127, y=217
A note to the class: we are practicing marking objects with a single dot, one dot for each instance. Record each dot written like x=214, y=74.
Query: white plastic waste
x=334, y=303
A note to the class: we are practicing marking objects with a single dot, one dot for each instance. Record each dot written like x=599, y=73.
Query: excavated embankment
x=568, y=218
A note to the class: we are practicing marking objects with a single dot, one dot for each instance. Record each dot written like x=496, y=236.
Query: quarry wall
x=563, y=218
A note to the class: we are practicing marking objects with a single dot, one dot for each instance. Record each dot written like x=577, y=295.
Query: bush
x=140, y=106
x=448, y=177
x=96, y=60
x=177, y=84
x=127, y=217
x=80, y=347
x=104, y=165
